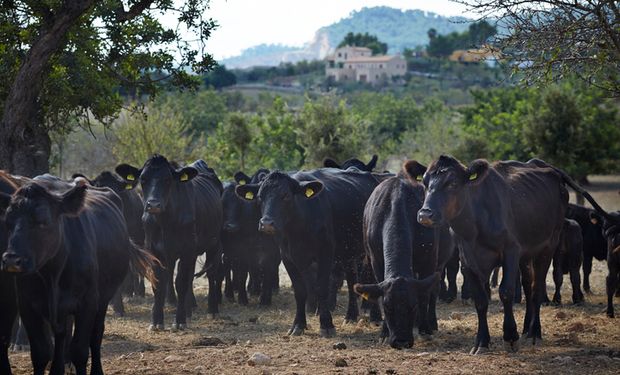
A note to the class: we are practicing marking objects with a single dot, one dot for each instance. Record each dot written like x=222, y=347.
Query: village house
x=358, y=64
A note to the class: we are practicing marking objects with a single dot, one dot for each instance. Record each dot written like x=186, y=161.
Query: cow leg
x=452, y=270
x=465, y=287
x=84, y=329
x=510, y=273
x=587, y=269
x=558, y=278
x=611, y=285
x=323, y=275
x=38, y=335
x=228, y=270
x=352, y=309
x=270, y=271
x=8, y=315
x=518, y=288
x=424, y=328
x=494, y=277
x=159, y=297
x=183, y=283
x=240, y=278
x=299, y=288
x=309, y=276
x=171, y=297
x=117, y=303
x=541, y=267
x=526, y=283
x=575, y=280
x=432, y=309
x=481, y=300
x=58, y=360
x=215, y=290
x=95, y=342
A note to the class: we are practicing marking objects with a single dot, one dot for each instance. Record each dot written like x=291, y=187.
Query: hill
x=398, y=28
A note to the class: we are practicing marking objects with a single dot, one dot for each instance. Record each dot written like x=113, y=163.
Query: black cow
x=509, y=214
x=8, y=310
x=69, y=249
x=567, y=260
x=182, y=219
x=406, y=257
x=132, y=211
x=356, y=163
x=611, y=231
x=594, y=243
x=316, y=216
x=247, y=249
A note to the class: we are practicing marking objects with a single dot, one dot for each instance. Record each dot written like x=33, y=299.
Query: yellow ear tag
x=128, y=187
x=130, y=177
x=365, y=296
x=184, y=177
x=309, y=192
x=241, y=182
x=249, y=195
x=473, y=176
x=419, y=177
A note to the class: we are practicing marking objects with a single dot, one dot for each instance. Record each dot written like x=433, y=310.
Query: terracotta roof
x=384, y=58
x=361, y=49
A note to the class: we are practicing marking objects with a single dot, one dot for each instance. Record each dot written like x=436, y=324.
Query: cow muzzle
x=152, y=206
x=13, y=263
x=427, y=217
x=401, y=344
x=267, y=226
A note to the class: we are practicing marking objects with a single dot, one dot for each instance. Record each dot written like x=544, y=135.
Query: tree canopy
x=71, y=61
x=443, y=45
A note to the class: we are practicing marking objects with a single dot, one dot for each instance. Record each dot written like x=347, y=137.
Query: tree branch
x=134, y=11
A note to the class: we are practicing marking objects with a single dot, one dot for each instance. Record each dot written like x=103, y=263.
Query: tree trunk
x=24, y=140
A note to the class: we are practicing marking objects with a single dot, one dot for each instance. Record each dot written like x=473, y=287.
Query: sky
x=246, y=23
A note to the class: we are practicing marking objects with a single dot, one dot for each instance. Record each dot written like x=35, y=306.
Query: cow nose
x=153, y=206
x=266, y=225
x=401, y=344
x=12, y=262
x=426, y=217
x=230, y=227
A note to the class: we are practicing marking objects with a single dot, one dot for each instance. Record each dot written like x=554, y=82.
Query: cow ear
x=72, y=201
x=372, y=163
x=477, y=171
x=5, y=199
x=414, y=170
x=129, y=174
x=185, y=174
x=424, y=285
x=247, y=192
x=330, y=163
x=311, y=188
x=369, y=292
x=242, y=178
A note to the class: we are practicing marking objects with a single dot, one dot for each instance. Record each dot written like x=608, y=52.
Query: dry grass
x=578, y=339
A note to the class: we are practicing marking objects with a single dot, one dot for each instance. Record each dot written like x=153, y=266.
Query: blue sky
x=246, y=23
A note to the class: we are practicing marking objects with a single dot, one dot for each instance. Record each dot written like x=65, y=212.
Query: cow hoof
x=610, y=315
x=177, y=327
x=214, y=315
x=532, y=341
x=327, y=332
x=296, y=331
x=479, y=350
x=511, y=346
x=156, y=327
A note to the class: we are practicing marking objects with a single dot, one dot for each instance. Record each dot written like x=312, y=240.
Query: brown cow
x=507, y=214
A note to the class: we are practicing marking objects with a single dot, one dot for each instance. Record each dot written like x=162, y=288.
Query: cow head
x=158, y=178
x=239, y=214
x=447, y=184
x=34, y=223
x=277, y=196
x=399, y=301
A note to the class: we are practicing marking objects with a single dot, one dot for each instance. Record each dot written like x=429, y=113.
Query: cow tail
x=143, y=262
x=575, y=186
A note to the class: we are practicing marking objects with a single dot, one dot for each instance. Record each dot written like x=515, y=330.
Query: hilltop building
x=358, y=64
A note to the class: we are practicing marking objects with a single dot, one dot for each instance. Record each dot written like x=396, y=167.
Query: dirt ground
x=577, y=339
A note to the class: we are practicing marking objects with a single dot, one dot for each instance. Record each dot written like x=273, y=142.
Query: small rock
x=561, y=315
x=576, y=327
x=253, y=319
x=456, y=316
x=340, y=362
x=258, y=359
x=422, y=354
x=174, y=358
x=340, y=346
x=390, y=371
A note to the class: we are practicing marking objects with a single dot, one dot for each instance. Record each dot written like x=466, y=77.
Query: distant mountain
x=399, y=29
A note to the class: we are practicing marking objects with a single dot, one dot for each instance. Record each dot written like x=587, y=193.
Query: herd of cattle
x=69, y=248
